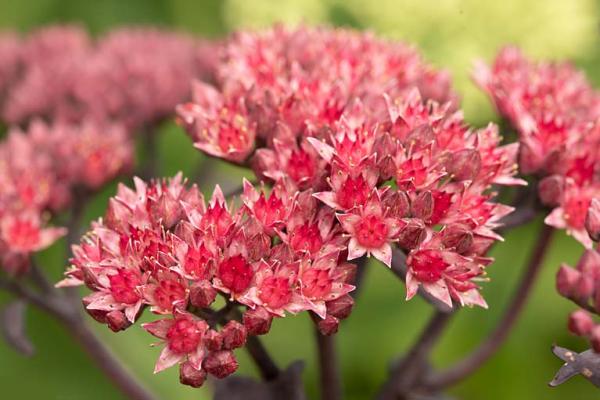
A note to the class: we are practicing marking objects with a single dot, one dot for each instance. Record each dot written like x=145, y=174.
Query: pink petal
x=355, y=250
x=166, y=360
x=439, y=290
x=158, y=328
x=383, y=254
x=324, y=150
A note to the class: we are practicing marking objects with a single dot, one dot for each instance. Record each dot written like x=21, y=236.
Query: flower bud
x=202, y=294
x=580, y=323
x=397, y=204
x=329, y=325
x=257, y=321
x=167, y=209
x=220, y=363
x=595, y=338
x=422, y=206
x=213, y=340
x=465, y=164
x=347, y=272
x=234, y=335
x=98, y=315
x=566, y=278
x=458, y=237
x=584, y=288
x=589, y=263
x=340, y=307
x=117, y=321
x=592, y=220
x=550, y=190
x=190, y=376
x=412, y=234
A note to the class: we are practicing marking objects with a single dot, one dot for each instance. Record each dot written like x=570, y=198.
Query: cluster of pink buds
x=39, y=172
x=161, y=246
x=134, y=76
x=581, y=285
x=555, y=112
x=353, y=121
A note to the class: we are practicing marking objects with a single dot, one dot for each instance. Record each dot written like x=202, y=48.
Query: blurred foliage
x=451, y=34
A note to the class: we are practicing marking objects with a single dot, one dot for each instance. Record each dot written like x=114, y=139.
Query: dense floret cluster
x=161, y=246
x=355, y=122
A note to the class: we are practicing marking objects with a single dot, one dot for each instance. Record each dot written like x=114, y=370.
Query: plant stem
x=331, y=385
x=64, y=310
x=409, y=370
x=105, y=360
x=267, y=367
x=486, y=349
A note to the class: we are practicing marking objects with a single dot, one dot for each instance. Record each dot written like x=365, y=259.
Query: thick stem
x=150, y=142
x=267, y=367
x=493, y=342
x=67, y=313
x=331, y=385
x=105, y=360
x=409, y=370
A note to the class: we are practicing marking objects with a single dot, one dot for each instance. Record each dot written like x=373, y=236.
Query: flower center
x=235, y=273
x=427, y=265
x=371, y=231
x=123, y=286
x=183, y=336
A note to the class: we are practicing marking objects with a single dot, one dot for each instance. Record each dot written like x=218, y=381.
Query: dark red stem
x=493, y=342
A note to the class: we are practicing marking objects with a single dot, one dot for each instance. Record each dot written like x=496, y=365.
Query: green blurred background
x=451, y=33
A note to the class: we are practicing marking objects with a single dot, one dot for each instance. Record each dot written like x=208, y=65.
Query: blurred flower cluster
x=75, y=104
x=556, y=112
x=370, y=130
x=40, y=172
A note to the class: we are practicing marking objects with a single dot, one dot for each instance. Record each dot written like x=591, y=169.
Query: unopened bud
x=220, y=364
x=566, y=278
x=595, y=338
x=397, y=204
x=213, y=340
x=340, y=307
x=117, y=321
x=98, y=315
x=329, y=325
x=347, y=272
x=190, y=376
x=167, y=209
x=550, y=190
x=465, y=164
x=234, y=335
x=412, y=234
x=592, y=220
x=580, y=323
x=584, y=288
x=422, y=206
x=458, y=237
x=257, y=321
x=202, y=294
